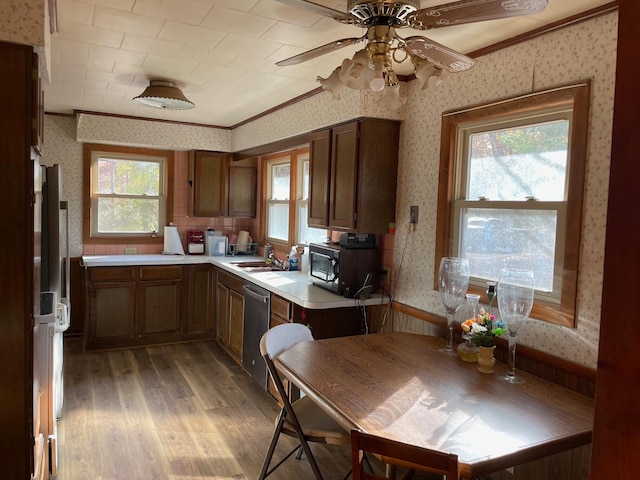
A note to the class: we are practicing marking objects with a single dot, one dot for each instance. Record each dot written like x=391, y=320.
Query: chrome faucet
x=276, y=261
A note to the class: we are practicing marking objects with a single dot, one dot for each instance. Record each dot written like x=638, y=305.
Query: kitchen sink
x=259, y=266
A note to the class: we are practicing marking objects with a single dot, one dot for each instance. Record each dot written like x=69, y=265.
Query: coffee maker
x=195, y=242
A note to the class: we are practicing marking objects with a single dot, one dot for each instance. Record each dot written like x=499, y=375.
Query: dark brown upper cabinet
x=242, y=191
x=219, y=189
x=353, y=170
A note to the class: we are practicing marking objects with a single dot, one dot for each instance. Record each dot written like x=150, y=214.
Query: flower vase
x=486, y=361
x=468, y=351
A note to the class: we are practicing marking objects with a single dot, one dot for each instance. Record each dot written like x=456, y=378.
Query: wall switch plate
x=130, y=250
x=413, y=214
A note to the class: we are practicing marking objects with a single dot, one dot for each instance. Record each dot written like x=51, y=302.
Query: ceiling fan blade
x=469, y=11
x=321, y=10
x=438, y=54
x=316, y=52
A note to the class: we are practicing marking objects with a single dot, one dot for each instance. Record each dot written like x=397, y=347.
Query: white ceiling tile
x=250, y=46
x=260, y=65
x=205, y=73
x=69, y=47
x=69, y=72
x=227, y=63
x=234, y=21
x=288, y=34
x=125, y=5
x=127, y=22
x=75, y=11
x=106, y=94
x=87, y=63
x=116, y=55
x=161, y=64
x=184, y=11
x=153, y=46
x=285, y=13
x=110, y=77
x=202, y=53
x=191, y=35
x=126, y=90
x=90, y=34
x=128, y=69
x=242, y=5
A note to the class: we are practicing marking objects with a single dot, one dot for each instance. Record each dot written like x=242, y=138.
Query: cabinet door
x=159, y=310
x=377, y=175
x=208, y=180
x=200, y=316
x=242, y=191
x=344, y=156
x=236, y=323
x=319, y=171
x=222, y=315
x=111, y=313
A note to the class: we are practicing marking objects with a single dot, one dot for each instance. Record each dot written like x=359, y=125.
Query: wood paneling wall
x=616, y=435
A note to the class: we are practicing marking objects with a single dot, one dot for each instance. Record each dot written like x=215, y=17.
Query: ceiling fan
x=372, y=67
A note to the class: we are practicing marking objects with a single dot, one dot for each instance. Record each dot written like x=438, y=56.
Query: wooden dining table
x=399, y=386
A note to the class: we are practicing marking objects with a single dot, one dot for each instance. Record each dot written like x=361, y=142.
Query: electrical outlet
x=130, y=250
x=413, y=214
x=385, y=276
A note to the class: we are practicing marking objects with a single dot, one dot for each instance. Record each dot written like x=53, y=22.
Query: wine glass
x=453, y=280
x=515, y=299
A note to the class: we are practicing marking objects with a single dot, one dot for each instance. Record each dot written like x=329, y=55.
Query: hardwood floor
x=182, y=412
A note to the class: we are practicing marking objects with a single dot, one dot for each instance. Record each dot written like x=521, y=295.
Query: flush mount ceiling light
x=164, y=94
x=372, y=67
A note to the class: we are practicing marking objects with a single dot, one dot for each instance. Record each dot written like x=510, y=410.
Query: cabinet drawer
x=161, y=273
x=112, y=273
x=230, y=281
x=281, y=308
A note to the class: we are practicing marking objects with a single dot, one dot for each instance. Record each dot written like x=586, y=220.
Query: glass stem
x=511, y=372
x=449, y=331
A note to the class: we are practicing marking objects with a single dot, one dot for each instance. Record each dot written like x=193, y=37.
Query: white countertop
x=293, y=286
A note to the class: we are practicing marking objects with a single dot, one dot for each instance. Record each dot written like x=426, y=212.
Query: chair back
x=401, y=454
x=278, y=339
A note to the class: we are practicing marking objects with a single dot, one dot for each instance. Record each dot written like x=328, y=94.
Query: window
x=287, y=199
x=510, y=193
x=128, y=192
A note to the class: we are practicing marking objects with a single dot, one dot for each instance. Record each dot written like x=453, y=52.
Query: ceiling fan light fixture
x=164, y=94
x=372, y=67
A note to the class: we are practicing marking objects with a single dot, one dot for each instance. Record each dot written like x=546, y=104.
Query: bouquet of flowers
x=483, y=329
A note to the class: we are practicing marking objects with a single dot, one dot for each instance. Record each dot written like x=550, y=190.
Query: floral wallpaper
x=151, y=134
x=23, y=21
x=586, y=50
x=507, y=73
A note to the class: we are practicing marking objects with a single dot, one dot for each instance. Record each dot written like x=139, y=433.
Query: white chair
x=302, y=419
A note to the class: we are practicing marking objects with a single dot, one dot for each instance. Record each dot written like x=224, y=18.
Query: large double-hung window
x=510, y=195
x=287, y=199
x=128, y=193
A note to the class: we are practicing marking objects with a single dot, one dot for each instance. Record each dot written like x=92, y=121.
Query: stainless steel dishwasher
x=257, y=309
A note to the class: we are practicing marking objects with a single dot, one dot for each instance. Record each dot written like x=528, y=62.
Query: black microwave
x=342, y=270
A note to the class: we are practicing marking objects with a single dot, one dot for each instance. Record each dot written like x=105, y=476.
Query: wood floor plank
x=171, y=412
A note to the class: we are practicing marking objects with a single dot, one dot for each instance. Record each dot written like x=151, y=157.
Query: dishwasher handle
x=255, y=295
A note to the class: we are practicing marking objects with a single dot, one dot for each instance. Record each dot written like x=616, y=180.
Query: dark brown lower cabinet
x=328, y=323
x=230, y=314
x=146, y=305
x=201, y=304
x=159, y=306
x=112, y=307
